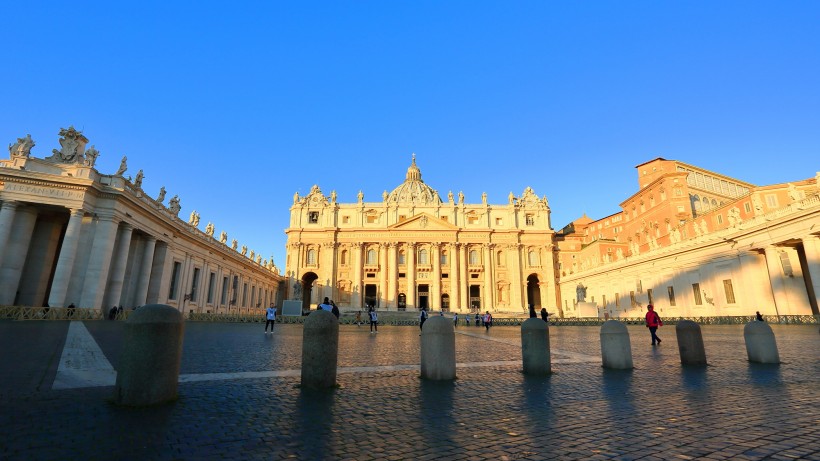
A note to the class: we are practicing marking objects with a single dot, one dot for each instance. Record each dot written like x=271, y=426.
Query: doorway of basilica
x=533, y=292
x=424, y=297
x=371, y=295
x=475, y=298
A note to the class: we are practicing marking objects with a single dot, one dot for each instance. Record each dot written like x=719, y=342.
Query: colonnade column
x=489, y=269
x=455, y=296
x=65, y=261
x=16, y=250
x=515, y=298
x=7, y=212
x=811, y=246
x=411, y=275
x=392, y=270
x=382, y=299
x=435, y=283
x=145, y=271
x=99, y=262
x=463, y=288
x=775, y=278
x=358, y=267
x=118, y=266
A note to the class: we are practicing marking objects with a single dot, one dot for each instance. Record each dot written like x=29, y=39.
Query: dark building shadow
x=436, y=412
x=314, y=409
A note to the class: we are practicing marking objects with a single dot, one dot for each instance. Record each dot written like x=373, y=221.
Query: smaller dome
x=413, y=190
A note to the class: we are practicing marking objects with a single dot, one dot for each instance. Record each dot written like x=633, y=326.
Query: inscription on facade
x=44, y=191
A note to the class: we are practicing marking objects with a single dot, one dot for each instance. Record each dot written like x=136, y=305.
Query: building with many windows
x=72, y=235
x=696, y=243
x=411, y=249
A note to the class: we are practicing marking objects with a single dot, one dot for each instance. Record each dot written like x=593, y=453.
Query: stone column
x=145, y=271
x=358, y=267
x=383, y=301
x=455, y=294
x=411, y=276
x=115, y=282
x=516, y=301
x=7, y=212
x=463, y=287
x=15, y=251
x=392, y=279
x=435, y=283
x=65, y=261
x=96, y=274
x=811, y=246
x=488, y=277
x=779, y=294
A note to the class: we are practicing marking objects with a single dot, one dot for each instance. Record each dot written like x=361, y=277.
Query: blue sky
x=236, y=105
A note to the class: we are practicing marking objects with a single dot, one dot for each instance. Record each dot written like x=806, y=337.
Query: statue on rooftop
x=72, y=146
x=123, y=166
x=91, y=156
x=209, y=229
x=223, y=237
x=138, y=179
x=161, y=196
x=234, y=244
x=22, y=148
x=194, y=219
x=174, y=205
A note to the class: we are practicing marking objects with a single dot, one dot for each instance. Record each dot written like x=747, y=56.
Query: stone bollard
x=152, y=351
x=761, y=346
x=616, y=351
x=690, y=343
x=438, y=349
x=535, y=347
x=320, y=350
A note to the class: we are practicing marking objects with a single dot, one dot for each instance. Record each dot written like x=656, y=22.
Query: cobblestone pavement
x=241, y=399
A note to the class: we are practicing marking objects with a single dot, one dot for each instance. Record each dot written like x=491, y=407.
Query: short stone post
x=438, y=349
x=616, y=351
x=535, y=347
x=320, y=350
x=690, y=343
x=761, y=346
x=149, y=364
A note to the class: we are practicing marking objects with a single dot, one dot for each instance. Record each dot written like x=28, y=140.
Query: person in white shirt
x=374, y=320
x=271, y=318
x=325, y=306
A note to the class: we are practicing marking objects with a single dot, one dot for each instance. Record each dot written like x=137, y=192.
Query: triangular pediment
x=424, y=221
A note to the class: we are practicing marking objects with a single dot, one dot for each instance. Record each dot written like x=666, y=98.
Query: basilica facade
x=413, y=250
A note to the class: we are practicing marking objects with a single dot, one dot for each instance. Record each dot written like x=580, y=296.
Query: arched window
x=705, y=205
x=443, y=257
x=714, y=203
x=343, y=258
x=311, y=257
x=423, y=257
x=533, y=258
x=474, y=258
x=500, y=258
x=402, y=258
x=371, y=256
x=663, y=194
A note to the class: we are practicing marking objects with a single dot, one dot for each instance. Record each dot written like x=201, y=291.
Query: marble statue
x=244, y=250
x=297, y=290
x=580, y=293
x=460, y=197
x=174, y=205
x=72, y=144
x=223, y=237
x=619, y=254
x=123, y=166
x=209, y=229
x=138, y=179
x=704, y=228
x=194, y=219
x=234, y=244
x=360, y=196
x=450, y=196
x=758, y=205
x=259, y=260
x=511, y=198
x=794, y=193
x=253, y=255
x=333, y=196
x=296, y=197
x=91, y=156
x=22, y=148
x=384, y=196
x=484, y=198
x=161, y=196
x=734, y=216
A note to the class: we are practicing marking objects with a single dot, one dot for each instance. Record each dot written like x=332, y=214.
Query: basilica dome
x=413, y=190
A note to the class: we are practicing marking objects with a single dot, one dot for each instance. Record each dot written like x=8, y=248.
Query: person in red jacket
x=653, y=321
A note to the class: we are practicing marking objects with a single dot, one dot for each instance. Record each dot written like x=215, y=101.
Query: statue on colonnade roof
x=73, y=147
x=22, y=148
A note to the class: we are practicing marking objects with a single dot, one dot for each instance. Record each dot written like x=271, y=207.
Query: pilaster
x=65, y=261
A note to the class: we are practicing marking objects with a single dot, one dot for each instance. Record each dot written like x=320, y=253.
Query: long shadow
x=537, y=400
x=315, y=416
x=436, y=412
x=618, y=392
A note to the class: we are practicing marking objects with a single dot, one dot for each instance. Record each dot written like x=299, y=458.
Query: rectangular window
x=499, y=221
x=313, y=217
x=235, y=288
x=253, y=296
x=195, y=284
x=371, y=275
x=720, y=219
x=224, y=297
x=401, y=275
x=371, y=219
x=244, y=295
x=345, y=219
x=671, y=292
x=172, y=291
x=696, y=293
x=771, y=201
x=730, y=292
x=748, y=207
x=651, y=298
x=530, y=219
x=632, y=300
x=617, y=300
x=787, y=264
x=211, y=280
x=445, y=276
x=639, y=287
x=472, y=219
x=444, y=218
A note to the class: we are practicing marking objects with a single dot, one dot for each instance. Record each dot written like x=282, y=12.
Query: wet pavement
x=239, y=398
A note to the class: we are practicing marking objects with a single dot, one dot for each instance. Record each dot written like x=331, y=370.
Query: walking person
x=467, y=319
x=488, y=320
x=477, y=320
x=334, y=309
x=270, y=316
x=455, y=320
x=759, y=317
x=653, y=322
x=545, y=315
x=422, y=318
x=374, y=320
x=532, y=312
